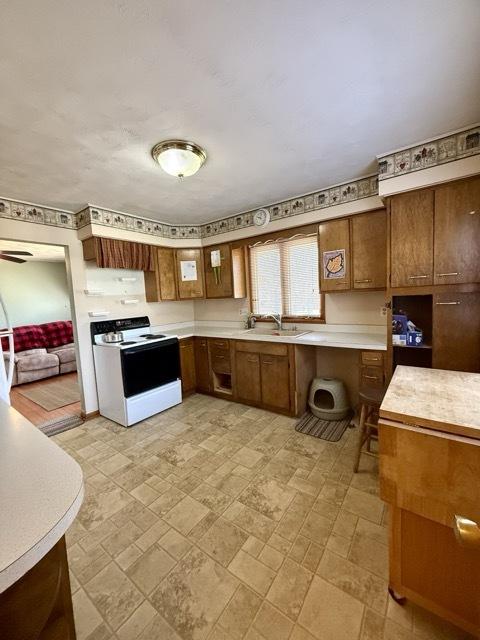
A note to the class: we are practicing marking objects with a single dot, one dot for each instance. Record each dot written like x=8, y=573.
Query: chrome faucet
x=277, y=318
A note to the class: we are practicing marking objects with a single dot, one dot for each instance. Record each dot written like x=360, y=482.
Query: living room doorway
x=35, y=290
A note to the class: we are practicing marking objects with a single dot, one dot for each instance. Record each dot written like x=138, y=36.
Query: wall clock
x=261, y=217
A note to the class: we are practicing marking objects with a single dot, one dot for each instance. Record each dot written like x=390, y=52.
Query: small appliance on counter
x=404, y=332
x=137, y=372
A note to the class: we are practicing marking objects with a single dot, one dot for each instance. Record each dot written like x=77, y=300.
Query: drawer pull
x=456, y=302
x=467, y=532
x=360, y=281
x=251, y=360
x=452, y=273
x=472, y=213
x=371, y=377
x=220, y=344
x=416, y=277
x=220, y=357
x=268, y=362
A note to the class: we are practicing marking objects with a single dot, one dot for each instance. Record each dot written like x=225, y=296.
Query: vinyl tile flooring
x=216, y=521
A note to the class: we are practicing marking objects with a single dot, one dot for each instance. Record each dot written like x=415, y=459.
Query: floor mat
x=57, y=425
x=55, y=394
x=331, y=430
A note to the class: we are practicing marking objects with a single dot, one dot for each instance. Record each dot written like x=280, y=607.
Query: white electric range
x=138, y=377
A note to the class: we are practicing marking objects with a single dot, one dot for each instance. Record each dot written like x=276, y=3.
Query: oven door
x=150, y=366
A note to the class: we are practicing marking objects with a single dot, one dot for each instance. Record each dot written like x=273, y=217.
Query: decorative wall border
x=455, y=146
x=331, y=196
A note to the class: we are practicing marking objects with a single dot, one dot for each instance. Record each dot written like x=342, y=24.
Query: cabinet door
x=218, y=280
x=189, y=273
x=160, y=283
x=456, y=331
x=411, y=239
x=275, y=381
x=202, y=365
x=457, y=232
x=247, y=369
x=369, y=250
x=334, y=255
x=187, y=365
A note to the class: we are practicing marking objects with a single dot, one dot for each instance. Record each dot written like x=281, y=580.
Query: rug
x=331, y=430
x=53, y=395
x=58, y=425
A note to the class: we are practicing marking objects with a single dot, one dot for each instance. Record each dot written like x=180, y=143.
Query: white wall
x=360, y=308
x=35, y=292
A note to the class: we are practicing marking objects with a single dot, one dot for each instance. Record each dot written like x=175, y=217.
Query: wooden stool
x=371, y=399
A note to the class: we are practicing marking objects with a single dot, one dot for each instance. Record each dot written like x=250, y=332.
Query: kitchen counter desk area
x=429, y=439
x=41, y=491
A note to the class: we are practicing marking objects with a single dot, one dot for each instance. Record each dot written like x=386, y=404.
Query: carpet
x=53, y=395
x=331, y=430
x=58, y=425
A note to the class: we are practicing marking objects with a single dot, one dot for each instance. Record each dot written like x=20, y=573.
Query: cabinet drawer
x=266, y=348
x=221, y=362
x=371, y=376
x=217, y=344
x=432, y=474
x=372, y=358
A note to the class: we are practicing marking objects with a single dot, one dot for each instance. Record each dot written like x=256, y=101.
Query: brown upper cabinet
x=369, y=250
x=334, y=255
x=161, y=284
x=224, y=271
x=189, y=273
x=411, y=252
x=118, y=254
x=457, y=233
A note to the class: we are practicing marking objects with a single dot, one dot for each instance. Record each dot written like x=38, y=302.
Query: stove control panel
x=122, y=324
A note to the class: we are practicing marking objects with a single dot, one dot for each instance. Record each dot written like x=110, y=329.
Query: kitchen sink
x=276, y=332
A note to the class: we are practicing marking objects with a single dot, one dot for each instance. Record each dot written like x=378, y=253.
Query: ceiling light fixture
x=178, y=157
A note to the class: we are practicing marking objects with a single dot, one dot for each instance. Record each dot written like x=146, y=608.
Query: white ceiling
x=286, y=96
x=40, y=252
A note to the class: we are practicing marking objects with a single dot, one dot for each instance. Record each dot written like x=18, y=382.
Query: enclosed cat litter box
x=328, y=399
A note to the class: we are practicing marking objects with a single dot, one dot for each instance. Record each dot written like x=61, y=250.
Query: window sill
x=294, y=320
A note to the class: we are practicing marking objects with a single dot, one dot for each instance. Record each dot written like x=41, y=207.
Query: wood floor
x=34, y=412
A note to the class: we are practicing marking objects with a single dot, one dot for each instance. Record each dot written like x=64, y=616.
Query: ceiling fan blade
x=16, y=253
x=11, y=259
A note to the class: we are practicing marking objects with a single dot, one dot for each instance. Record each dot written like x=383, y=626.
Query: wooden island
x=429, y=438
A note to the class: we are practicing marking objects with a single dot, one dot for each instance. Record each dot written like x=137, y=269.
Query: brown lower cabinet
x=202, y=365
x=39, y=605
x=248, y=387
x=456, y=331
x=275, y=374
x=187, y=366
x=271, y=376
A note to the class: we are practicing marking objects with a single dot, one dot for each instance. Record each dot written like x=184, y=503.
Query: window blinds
x=285, y=278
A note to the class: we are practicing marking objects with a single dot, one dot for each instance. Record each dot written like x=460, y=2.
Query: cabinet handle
x=447, y=303
x=220, y=357
x=268, y=362
x=370, y=377
x=366, y=280
x=219, y=344
x=251, y=359
x=416, y=277
x=452, y=273
x=472, y=213
x=467, y=532
x=373, y=359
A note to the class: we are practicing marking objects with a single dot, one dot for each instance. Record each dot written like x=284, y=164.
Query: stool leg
x=363, y=415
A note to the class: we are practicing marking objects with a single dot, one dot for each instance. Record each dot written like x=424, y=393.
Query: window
x=285, y=278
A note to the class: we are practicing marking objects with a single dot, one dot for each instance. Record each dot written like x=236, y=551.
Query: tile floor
x=217, y=521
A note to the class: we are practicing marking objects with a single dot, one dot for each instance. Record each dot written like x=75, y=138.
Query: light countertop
x=446, y=401
x=41, y=490
x=321, y=338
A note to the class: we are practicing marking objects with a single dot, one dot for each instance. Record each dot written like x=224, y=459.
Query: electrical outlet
x=383, y=312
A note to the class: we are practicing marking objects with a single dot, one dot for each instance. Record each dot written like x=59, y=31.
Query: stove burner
x=152, y=336
x=128, y=342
